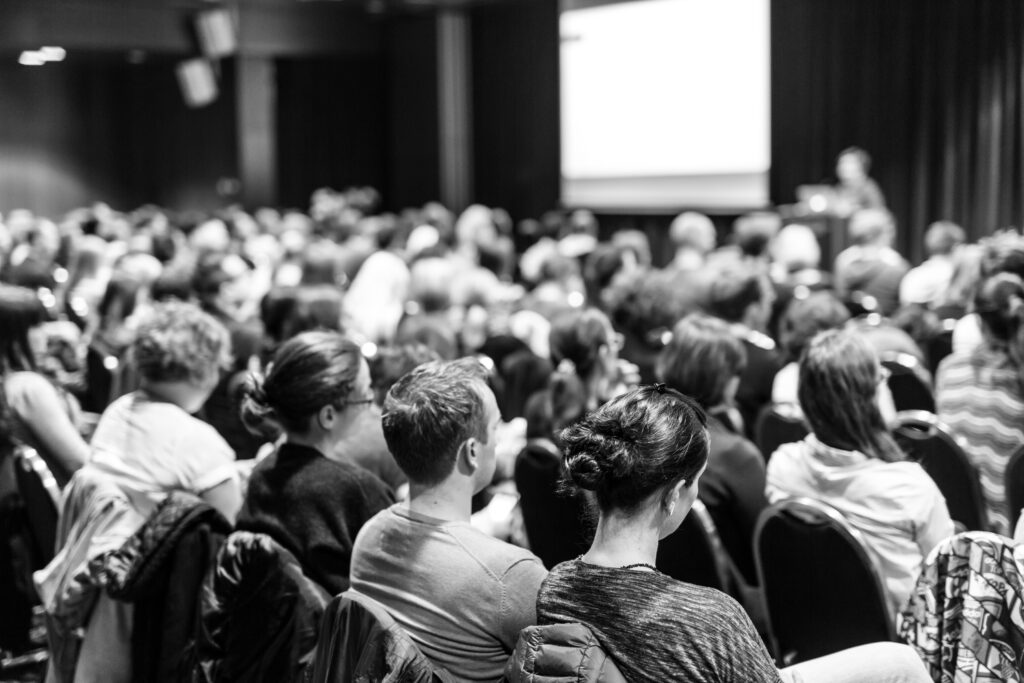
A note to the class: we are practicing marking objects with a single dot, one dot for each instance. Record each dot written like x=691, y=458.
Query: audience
x=868, y=273
x=306, y=495
x=147, y=442
x=642, y=455
x=704, y=361
x=379, y=357
x=980, y=393
x=462, y=596
x=850, y=461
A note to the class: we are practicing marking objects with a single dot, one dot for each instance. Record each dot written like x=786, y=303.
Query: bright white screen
x=666, y=103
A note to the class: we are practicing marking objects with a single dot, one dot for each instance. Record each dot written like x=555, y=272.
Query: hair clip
x=660, y=387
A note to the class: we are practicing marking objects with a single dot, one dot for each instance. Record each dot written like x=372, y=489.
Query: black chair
x=1015, y=485
x=41, y=496
x=774, y=428
x=909, y=389
x=927, y=441
x=822, y=592
x=694, y=552
x=940, y=345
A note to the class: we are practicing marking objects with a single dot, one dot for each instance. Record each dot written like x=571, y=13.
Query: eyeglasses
x=357, y=402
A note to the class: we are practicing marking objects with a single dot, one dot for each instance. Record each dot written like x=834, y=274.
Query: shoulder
x=501, y=559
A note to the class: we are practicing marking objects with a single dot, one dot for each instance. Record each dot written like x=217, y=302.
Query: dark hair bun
x=585, y=471
x=257, y=413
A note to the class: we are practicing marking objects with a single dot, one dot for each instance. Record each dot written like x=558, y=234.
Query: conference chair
x=927, y=441
x=822, y=592
x=695, y=553
x=1015, y=485
x=910, y=391
x=774, y=428
x=41, y=497
x=940, y=345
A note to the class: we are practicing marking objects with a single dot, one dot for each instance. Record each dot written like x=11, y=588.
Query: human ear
x=467, y=452
x=325, y=417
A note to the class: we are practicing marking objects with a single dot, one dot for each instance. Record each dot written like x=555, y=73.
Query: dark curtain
x=931, y=88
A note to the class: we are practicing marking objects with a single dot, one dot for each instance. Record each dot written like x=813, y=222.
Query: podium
x=829, y=227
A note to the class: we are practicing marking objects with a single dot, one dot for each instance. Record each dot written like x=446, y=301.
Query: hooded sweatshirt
x=895, y=505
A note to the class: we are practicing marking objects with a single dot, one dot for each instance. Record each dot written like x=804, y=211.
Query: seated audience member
x=980, y=393
x=803, y=319
x=42, y=416
x=1002, y=252
x=752, y=233
x=32, y=262
x=704, y=361
x=850, y=461
x=856, y=190
x=795, y=272
x=928, y=281
x=693, y=237
x=375, y=301
x=871, y=266
x=462, y=596
x=147, y=441
x=306, y=495
x=642, y=455
x=742, y=296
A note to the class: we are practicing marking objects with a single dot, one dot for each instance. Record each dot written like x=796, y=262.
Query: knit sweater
x=314, y=507
x=656, y=628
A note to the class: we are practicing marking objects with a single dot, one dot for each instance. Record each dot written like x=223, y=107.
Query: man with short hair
x=871, y=268
x=462, y=596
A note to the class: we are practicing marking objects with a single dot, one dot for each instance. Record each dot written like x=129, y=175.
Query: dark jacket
x=560, y=652
x=260, y=614
x=360, y=641
x=160, y=570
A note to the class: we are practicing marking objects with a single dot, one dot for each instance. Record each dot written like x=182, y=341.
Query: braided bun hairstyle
x=1000, y=304
x=635, y=444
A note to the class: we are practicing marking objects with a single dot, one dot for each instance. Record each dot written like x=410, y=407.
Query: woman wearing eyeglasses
x=309, y=502
x=852, y=463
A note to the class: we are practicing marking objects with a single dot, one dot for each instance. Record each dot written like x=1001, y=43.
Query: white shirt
x=896, y=506
x=150, y=448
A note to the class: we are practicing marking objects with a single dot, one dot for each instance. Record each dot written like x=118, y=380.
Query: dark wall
x=330, y=125
x=102, y=129
x=515, y=106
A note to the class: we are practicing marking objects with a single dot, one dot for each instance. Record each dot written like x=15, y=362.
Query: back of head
x=177, y=342
x=805, y=318
x=392, y=362
x=20, y=310
x=839, y=380
x=635, y=445
x=308, y=372
x=733, y=288
x=796, y=247
x=871, y=226
x=430, y=412
x=755, y=231
x=1003, y=253
x=430, y=282
x=942, y=237
x=701, y=359
x=1000, y=304
x=576, y=339
x=692, y=230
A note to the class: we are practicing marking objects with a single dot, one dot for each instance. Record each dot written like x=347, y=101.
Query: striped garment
x=979, y=396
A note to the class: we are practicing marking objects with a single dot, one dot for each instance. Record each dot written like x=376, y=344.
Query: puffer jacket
x=160, y=570
x=563, y=653
x=260, y=614
x=360, y=641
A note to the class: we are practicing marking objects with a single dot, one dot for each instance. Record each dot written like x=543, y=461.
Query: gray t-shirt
x=656, y=628
x=462, y=596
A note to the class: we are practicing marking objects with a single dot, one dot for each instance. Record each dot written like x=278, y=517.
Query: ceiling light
x=31, y=58
x=51, y=53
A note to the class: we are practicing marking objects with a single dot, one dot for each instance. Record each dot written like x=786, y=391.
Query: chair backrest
x=41, y=496
x=927, y=441
x=940, y=345
x=822, y=592
x=909, y=389
x=1015, y=485
x=694, y=552
x=774, y=429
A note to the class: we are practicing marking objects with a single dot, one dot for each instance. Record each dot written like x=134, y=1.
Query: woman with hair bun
x=641, y=455
x=980, y=392
x=306, y=500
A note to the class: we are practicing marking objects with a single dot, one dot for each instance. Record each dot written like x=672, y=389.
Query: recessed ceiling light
x=52, y=53
x=31, y=58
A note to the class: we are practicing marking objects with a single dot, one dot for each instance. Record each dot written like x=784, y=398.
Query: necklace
x=641, y=564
